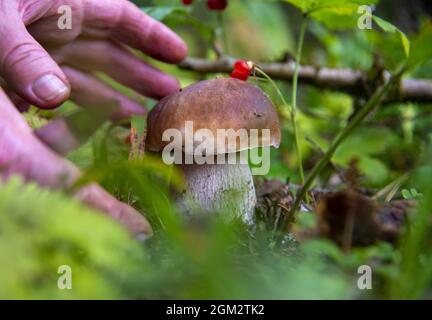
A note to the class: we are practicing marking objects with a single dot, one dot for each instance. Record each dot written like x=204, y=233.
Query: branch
x=354, y=82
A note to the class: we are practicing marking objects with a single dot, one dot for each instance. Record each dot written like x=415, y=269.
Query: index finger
x=122, y=21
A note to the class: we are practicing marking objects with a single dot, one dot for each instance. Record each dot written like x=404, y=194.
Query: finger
x=21, y=153
x=28, y=68
x=54, y=23
x=97, y=198
x=20, y=103
x=126, y=23
x=58, y=136
x=88, y=91
x=119, y=64
x=63, y=135
x=17, y=101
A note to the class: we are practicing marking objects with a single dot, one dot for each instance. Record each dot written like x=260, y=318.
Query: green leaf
x=175, y=15
x=365, y=141
x=340, y=6
x=340, y=15
x=336, y=19
x=405, y=43
x=299, y=4
x=406, y=194
x=389, y=27
x=85, y=122
x=374, y=169
x=421, y=48
x=363, y=145
x=334, y=14
x=161, y=13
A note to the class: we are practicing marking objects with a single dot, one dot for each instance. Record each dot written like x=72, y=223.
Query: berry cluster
x=242, y=70
x=217, y=5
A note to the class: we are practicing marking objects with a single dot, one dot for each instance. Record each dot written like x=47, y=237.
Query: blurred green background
x=41, y=230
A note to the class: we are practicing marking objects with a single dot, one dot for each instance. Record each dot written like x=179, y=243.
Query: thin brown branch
x=354, y=82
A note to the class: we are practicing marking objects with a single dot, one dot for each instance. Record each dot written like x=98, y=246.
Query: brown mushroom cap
x=224, y=103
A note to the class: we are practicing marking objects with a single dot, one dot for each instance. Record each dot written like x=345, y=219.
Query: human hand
x=44, y=64
x=22, y=153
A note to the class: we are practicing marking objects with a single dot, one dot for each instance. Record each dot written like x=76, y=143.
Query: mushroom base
x=223, y=188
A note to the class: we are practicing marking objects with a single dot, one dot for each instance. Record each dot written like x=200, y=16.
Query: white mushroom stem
x=223, y=188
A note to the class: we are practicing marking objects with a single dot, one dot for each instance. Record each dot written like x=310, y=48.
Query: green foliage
x=414, y=276
x=345, y=14
x=362, y=146
x=41, y=230
x=335, y=14
x=411, y=194
x=388, y=27
x=175, y=16
x=421, y=47
x=162, y=13
x=342, y=7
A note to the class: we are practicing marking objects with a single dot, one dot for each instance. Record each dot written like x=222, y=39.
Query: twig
x=351, y=81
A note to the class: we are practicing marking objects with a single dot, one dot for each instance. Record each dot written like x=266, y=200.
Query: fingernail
x=49, y=88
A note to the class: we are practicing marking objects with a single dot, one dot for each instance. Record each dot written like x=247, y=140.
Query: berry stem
x=294, y=98
x=265, y=75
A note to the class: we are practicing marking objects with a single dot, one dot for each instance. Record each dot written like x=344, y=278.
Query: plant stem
x=265, y=75
x=294, y=98
x=358, y=118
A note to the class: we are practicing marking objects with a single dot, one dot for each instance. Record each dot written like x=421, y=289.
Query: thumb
x=28, y=68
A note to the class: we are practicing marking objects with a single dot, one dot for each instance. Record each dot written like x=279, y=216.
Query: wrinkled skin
x=43, y=65
x=32, y=45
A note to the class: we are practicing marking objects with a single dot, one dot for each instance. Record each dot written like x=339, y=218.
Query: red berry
x=242, y=69
x=217, y=4
x=243, y=66
x=239, y=75
x=187, y=2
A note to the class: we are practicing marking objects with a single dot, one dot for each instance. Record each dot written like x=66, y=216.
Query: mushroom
x=213, y=106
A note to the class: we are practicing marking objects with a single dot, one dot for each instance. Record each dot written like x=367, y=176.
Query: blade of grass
x=390, y=189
